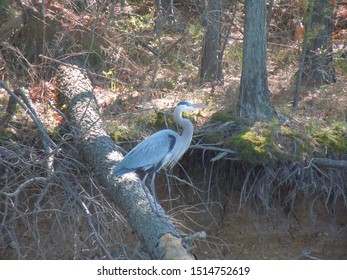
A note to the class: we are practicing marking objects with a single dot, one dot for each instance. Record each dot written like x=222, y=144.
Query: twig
x=110, y=17
x=145, y=45
x=93, y=33
x=46, y=140
x=219, y=156
x=31, y=111
x=199, y=235
x=170, y=48
x=284, y=46
x=228, y=33
x=89, y=216
x=269, y=16
x=85, y=71
x=184, y=182
x=22, y=56
x=197, y=193
x=223, y=152
x=212, y=148
x=95, y=233
x=28, y=107
x=24, y=185
x=10, y=110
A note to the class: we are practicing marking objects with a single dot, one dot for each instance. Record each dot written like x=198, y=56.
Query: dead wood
x=156, y=233
x=327, y=162
x=27, y=105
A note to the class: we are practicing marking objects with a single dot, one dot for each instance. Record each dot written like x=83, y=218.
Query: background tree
x=318, y=64
x=254, y=102
x=211, y=69
x=164, y=11
x=165, y=6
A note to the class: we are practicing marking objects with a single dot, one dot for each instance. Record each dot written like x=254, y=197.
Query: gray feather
x=150, y=155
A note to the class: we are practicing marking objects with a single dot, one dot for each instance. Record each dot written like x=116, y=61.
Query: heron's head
x=186, y=106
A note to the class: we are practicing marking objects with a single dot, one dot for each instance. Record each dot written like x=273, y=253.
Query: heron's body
x=163, y=148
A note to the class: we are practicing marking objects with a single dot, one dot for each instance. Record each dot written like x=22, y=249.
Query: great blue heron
x=163, y=148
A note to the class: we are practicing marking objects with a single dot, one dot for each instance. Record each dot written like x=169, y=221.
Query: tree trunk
x=164, y=13
x=254, y=103
x=211, y=69
x=165, y=7
x=318, y=63
x=156, y=233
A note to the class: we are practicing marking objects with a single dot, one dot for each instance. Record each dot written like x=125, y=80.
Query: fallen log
x=158, y=235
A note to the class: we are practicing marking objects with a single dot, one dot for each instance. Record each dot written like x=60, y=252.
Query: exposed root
x=268, y=186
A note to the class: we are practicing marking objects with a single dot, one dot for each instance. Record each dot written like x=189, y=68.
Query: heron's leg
x=144, y=179
x=153, y=193
x=143, y=183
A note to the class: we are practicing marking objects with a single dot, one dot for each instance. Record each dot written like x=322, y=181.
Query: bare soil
x=309, y=231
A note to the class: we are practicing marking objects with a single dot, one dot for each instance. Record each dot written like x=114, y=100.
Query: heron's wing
x=151, y=154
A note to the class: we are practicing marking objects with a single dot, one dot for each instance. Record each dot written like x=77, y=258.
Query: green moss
x=340, y=65
x=255, y=147
x=159, y=121
x=333, y=137
x=270, y=142
x=297, y=143
x=189, y=116
x=290, y=132
x=221, y=116
x=256, y=142
x=123, y=134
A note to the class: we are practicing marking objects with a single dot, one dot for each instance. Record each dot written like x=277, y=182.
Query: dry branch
x=27, y=105
x=24, y=185
x=327, y=162
x=156, y=233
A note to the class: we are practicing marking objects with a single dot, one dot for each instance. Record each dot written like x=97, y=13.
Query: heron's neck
x=186, y=125
x=185, y=138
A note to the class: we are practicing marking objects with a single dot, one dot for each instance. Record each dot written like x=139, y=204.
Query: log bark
x=98, y=150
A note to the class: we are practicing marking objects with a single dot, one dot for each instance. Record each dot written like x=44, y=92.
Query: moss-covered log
x=159, y=237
